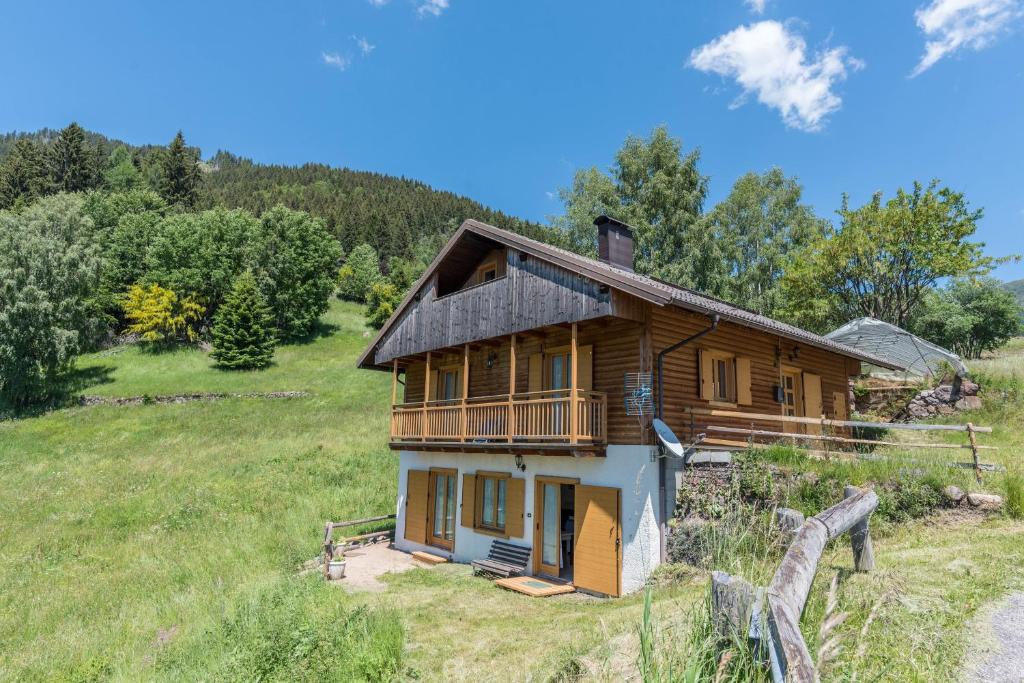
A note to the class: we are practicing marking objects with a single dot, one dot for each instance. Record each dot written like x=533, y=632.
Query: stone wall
x=942, y=400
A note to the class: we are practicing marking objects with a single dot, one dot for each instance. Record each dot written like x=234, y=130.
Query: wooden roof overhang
x=645, y=288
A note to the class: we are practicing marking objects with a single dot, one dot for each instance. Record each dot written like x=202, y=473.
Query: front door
x=441, y=508
x=549, y=528
x=597, y=556
x=792, y=399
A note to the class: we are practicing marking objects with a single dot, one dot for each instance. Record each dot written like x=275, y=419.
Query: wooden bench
x=504, y=560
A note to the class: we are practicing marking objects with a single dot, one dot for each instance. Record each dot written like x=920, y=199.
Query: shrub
x=158, y=315
x=381, y=303
x=243, y=334
x=49, y=268
x=360, y=272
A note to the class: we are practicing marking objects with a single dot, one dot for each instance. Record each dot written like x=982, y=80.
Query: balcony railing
x=531, y=417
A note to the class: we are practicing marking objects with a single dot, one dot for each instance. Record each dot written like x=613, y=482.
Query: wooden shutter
x=536, y=372
x=840, y=405
x=416, y=506
x=436, y=390
x=598, y=540
x=706, y=375
x=469, y=500
x=515, y=505
x=585, y=378
x=743, y=392
x=812, y=400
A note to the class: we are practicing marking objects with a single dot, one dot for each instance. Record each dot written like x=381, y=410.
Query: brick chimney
x=614, y=242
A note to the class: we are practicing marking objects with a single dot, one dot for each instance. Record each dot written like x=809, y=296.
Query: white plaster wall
x=628, y=468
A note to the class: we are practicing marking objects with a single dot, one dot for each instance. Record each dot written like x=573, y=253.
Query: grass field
x=161, y=542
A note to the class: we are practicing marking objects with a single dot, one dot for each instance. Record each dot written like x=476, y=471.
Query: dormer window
x=486, y=272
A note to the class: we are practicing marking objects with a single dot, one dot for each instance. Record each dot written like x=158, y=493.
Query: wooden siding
x=669, y=325
x=532, y=294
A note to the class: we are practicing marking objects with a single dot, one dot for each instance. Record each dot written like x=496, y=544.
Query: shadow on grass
x=320, y=330
x=65, y=394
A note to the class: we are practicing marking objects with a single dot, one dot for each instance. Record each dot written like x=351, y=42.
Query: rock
x=953, y=493
x=945, y=409
x=943, y=393
x=968, y=388
x=969, y=403
x=918, y=411
x=984, y=501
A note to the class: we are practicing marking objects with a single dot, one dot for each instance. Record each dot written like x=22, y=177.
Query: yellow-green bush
x=157, y=314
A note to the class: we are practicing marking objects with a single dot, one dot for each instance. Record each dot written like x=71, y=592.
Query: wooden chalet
x=534, y=373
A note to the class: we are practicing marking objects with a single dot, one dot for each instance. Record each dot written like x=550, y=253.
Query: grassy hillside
x=120, y=524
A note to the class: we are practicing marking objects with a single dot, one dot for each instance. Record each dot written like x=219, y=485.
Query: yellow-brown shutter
x=743, y=392
x=585, y=378
x=436, y=390
x=812, y=400
x=469, y=500
x=536, y=372
x=707, y=388
x=840, y=405
x=515, y=504
x=416, y=506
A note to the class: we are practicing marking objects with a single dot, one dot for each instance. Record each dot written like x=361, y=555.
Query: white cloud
x=432, y=7
x=365, y=46
x=379, y=3
x=336, y=61
x=768, y=60
x=756, y=6
x=954, y=24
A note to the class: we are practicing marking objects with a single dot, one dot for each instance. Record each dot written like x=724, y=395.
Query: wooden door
x=597, y=558
x=441, y=509
x=812, y=400
x=416, y=506
x=792, y=399
x=548, y=545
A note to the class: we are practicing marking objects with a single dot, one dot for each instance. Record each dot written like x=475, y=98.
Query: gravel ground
x=998, y=654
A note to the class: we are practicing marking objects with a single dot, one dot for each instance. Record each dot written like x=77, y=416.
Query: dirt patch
x=365, y=565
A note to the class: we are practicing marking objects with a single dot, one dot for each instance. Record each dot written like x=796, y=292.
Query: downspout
x=662, y=512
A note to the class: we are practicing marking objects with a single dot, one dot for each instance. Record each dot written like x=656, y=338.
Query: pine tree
x=179, y=173
x=23, y=174
x=71, y=161
x=243, y=333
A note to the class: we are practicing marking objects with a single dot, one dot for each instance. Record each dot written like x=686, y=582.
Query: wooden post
x=510, y=418
x=573, y=384
x=465, y=390
x=394, y=383
x=426, y=397
x=860, y=538
x=974, y=450
x=732, y=600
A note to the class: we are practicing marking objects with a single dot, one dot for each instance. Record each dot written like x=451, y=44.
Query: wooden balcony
x=541, y=421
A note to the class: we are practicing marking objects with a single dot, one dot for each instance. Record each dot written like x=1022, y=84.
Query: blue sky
x=502, y=101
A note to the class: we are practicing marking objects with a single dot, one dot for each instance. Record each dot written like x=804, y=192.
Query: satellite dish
x=667, y=438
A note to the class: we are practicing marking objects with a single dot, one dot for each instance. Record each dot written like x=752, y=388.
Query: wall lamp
x=489, y=362
x=520, y=465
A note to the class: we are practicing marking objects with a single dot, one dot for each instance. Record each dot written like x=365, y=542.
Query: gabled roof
x=649, y=289
x=880, y=338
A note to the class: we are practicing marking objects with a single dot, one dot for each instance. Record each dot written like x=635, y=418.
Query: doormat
x=535, y=587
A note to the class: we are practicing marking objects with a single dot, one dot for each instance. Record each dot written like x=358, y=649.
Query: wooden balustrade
x=530, y=417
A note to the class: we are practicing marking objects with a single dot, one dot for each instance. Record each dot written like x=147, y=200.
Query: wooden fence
x=771, y=616
x=820, y=430
x=329, y=545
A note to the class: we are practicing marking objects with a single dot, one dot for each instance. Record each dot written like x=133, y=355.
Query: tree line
x=100, y=237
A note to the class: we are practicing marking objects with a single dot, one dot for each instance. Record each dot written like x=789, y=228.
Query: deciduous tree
x=159, y=316
x=969, y=318
x=356, y=277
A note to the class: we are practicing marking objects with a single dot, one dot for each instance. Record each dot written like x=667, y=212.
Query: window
x=722, y=370
x=449, y=383
x=489, y=274
x=486, y=272
x=492, y=491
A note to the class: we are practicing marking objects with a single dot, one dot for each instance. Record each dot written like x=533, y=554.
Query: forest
x=105, y=241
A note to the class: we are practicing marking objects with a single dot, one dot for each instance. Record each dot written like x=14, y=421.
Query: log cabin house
x=525, y=379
